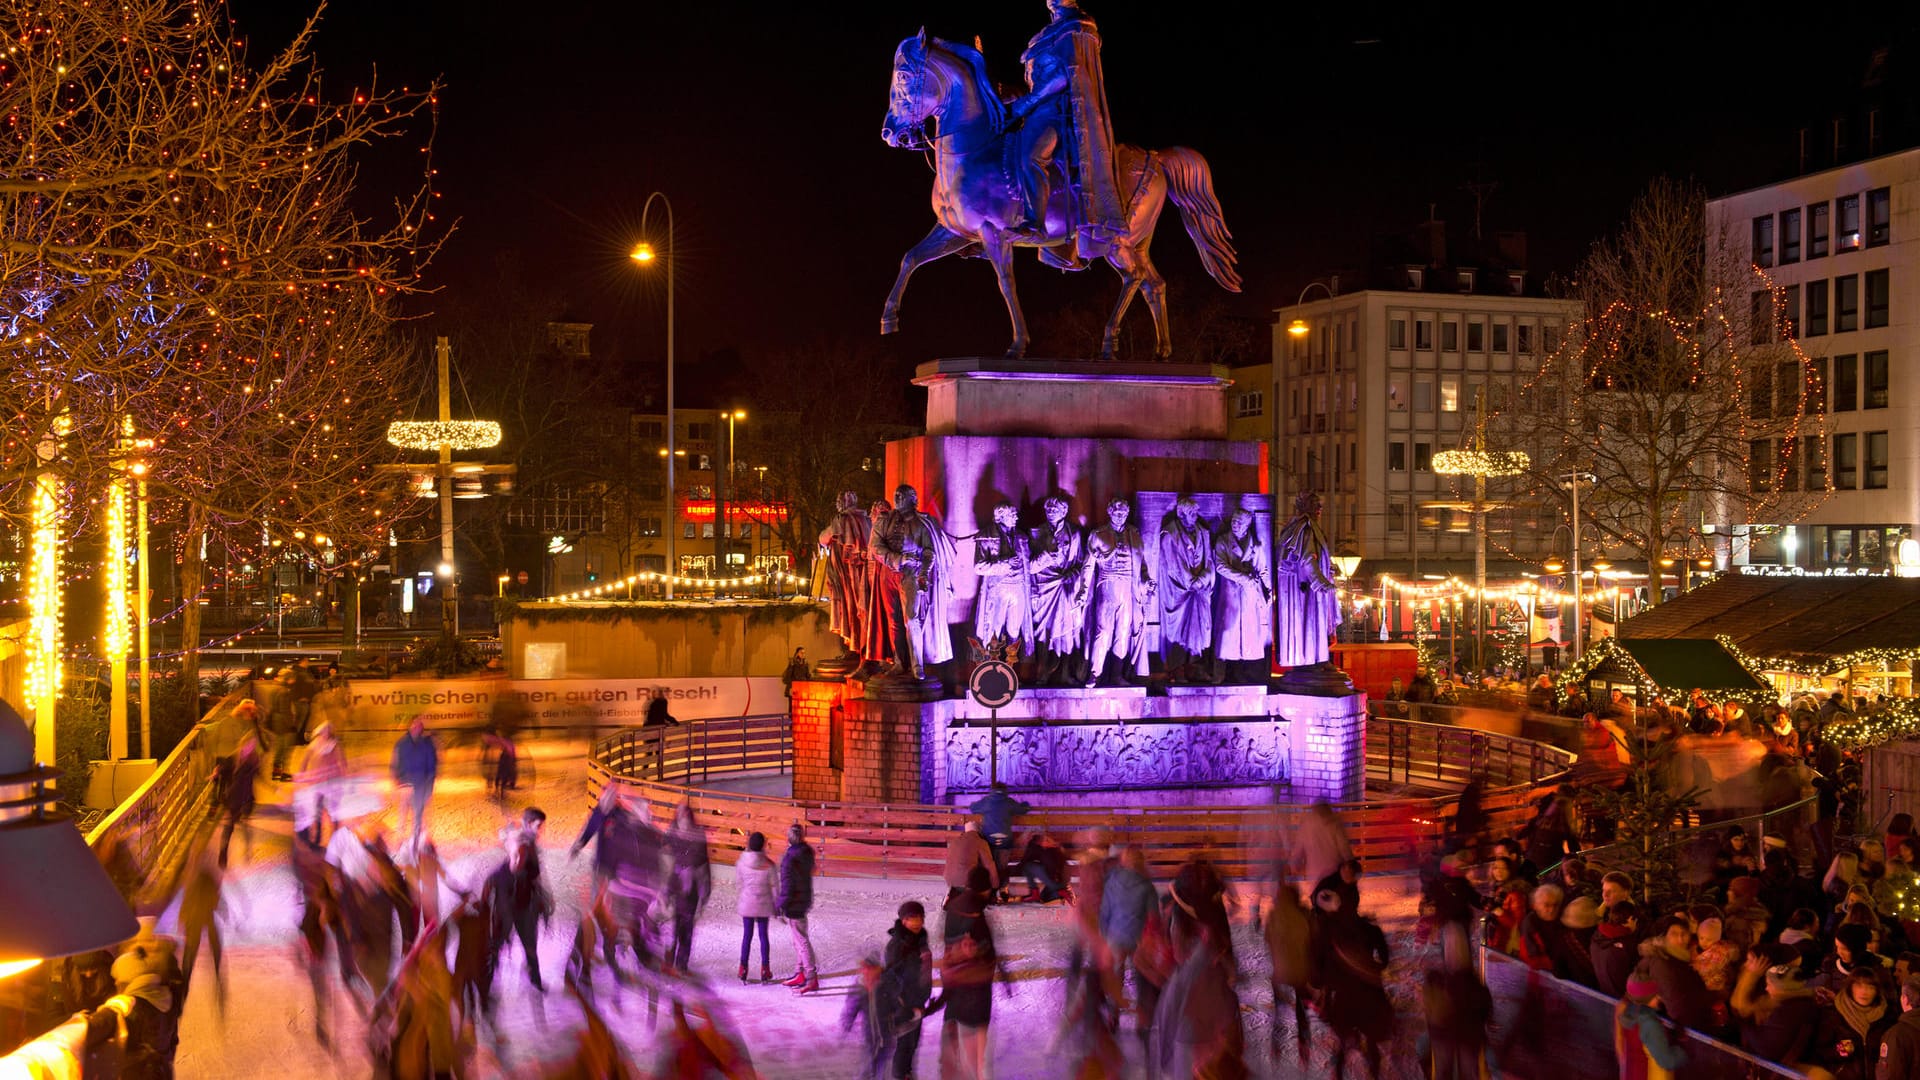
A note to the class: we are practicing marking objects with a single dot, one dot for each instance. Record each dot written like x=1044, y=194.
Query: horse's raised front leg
x=998, y=245
x=938, y=243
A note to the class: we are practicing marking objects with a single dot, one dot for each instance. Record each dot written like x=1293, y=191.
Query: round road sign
x=994, y=684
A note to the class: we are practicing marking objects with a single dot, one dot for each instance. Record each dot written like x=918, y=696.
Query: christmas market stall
x=1815, y=634
x=1669, y=669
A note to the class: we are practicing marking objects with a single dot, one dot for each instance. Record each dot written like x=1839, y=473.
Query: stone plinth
x=1127, y=746
x=1097, y=399
x=1226, y=744
x=848, y=748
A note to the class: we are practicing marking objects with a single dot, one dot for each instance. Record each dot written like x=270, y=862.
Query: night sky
x=1326, y=128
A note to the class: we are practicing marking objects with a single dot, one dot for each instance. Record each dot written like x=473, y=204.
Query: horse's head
x=912, y=97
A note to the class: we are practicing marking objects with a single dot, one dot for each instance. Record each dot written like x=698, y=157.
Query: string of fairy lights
x=605, y=590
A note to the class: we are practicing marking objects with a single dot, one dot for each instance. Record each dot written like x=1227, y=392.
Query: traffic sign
x=994, y=684
x=521, y=577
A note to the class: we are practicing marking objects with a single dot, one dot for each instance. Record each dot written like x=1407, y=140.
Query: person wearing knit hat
x=1775, y=1025
x=1642, y=1043
x=147, y=972
x=1717, y=959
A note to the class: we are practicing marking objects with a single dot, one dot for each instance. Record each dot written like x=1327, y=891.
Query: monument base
x=1316, y=680
x=1114, y=747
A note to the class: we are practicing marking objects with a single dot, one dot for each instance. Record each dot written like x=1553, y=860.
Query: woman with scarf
x=968, y=964
x=1846, y=1044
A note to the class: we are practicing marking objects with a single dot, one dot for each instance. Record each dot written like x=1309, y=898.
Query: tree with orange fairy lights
x=179, y=247
x=1683, y=391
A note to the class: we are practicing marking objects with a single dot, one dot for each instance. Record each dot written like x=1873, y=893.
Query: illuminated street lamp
x=644, y=254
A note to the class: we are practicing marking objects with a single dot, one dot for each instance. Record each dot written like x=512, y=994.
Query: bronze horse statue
x=976, y=196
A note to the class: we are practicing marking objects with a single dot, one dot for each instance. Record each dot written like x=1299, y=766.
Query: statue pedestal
x=1085, y=398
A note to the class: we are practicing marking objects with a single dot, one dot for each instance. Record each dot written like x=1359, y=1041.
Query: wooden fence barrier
x=909, y=841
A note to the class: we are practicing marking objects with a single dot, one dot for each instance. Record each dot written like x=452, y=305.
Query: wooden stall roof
x=1810, y=620
x=1679, y=664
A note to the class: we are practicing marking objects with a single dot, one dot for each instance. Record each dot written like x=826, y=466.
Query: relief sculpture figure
x=1003, y=614
x=1057, y=559
x=1186, y=593
x=1120, y=585
x=1243, y=604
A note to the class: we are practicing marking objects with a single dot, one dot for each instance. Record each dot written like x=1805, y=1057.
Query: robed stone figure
x=1057, y=560
x=1003, y=611
x=1307, y=607
x=873, y=615
x=917, y=584
x=1186, y=589
x=843, y=554
x=1243, y=600
x=1063, y=119
x=1120, y=585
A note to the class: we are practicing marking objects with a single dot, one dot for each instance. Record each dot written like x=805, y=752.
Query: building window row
x=1507, y=337
x=1837, y=311
x=1251, y=403
x=1851, y=228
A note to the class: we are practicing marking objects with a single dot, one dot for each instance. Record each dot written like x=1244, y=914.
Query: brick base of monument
x=848, y=748
x=1101, y=744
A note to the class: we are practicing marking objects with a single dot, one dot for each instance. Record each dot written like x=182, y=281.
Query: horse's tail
x=1190, y=182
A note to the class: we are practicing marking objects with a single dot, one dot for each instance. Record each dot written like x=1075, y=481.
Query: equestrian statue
x=1042, y=171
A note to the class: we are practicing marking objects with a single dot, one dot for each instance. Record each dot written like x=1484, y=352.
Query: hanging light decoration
x=1481, y=462
x=452, y=434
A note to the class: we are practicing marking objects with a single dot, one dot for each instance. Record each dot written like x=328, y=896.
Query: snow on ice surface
x=268, y=1021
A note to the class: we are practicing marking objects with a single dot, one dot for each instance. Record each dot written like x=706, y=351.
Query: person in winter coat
x=1540, y=940
x=1350, y=960
x=626, y=872
x=1200, y=900
x=753, y=877
x=416, y=764
x=968, y=963
x=1775, y=1025
x=1125, y=902
x=199, y=916
x=240, y=776
x=690, y=885
x=1644, y=1047
x=1579, y=922
x=1846, y=1044
x=793, y=904
x=1198, y=1031
x=321, y=778
x=1458, y=1007
x=147, y=973
x=1288, y=958
x=866, y=1006
x=997, y=809
x=1900, y=1047
x=907, y=980
x=1669, y=961
x=517, y=897
x=1718, y=960
x=965, y=851
x=1615, y=949
x=1044, y=864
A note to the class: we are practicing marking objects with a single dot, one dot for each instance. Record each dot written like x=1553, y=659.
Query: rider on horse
x=1065, y=108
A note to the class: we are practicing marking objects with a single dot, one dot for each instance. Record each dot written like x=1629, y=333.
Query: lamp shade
x=55, y=897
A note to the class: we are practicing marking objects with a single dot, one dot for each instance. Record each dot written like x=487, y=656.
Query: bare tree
x=1682, y=389
x=178, y=247
x=833, y=406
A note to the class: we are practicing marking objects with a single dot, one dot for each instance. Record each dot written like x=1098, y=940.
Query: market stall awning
x=1810, y=621
x=1682, y=664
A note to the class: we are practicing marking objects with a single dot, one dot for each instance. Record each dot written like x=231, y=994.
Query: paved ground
x=266, y=1027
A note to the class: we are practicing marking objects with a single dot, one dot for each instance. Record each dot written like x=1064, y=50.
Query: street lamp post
x=723, y=517
x=644, y=253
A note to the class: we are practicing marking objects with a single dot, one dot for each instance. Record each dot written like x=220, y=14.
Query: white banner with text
x=393, y=703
